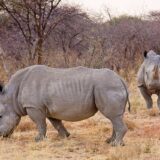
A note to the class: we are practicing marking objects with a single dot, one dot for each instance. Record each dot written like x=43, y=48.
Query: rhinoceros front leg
x=147, y=97
x=59, y=127
x=39, y=117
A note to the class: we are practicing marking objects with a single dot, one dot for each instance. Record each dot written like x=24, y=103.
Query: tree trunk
x=30, y=57
x=38, y=51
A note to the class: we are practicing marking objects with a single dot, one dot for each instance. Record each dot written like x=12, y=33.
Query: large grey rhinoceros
x=149, y=78
x=70, y=94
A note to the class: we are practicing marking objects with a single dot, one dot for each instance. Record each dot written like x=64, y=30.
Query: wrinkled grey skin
x=70, y=94
x=149, y=78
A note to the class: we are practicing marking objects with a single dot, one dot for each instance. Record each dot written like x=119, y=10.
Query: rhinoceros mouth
x=6, y=135
x=154, y=87
x=153, y=90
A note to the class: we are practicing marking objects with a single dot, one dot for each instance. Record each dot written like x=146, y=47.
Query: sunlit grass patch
x=130, y=124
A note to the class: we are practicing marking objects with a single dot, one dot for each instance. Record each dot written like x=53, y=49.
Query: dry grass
x=25, y=126
x=131, y=124
x=87, y=140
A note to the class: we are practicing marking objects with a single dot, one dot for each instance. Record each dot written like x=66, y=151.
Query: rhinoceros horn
x=156, y=72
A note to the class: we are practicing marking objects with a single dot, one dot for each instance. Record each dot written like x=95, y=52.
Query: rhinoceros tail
x=129, y=104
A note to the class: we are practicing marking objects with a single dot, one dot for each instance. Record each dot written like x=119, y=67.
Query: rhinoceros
x=72, y=94
x=148, y=78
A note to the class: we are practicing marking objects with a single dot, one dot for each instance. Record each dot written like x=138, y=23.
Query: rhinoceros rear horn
x=145, y=54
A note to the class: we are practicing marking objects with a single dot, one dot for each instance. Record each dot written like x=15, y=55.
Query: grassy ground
x=87, y=140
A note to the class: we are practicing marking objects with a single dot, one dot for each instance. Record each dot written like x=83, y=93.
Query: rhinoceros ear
x=145, y=54
x=1, y=88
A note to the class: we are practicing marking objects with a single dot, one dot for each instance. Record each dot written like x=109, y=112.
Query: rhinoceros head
x=8, y=118
x=152, y=70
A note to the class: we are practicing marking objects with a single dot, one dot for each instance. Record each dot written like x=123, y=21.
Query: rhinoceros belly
x=71, y=99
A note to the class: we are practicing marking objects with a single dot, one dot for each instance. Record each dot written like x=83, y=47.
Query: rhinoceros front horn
x=156, y=72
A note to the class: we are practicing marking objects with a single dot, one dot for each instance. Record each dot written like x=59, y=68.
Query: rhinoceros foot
x=117, y=143
x=40, y=138
x=109, y=140
x=64, y=135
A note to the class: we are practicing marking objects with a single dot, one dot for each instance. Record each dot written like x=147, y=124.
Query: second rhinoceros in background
x=149, y=78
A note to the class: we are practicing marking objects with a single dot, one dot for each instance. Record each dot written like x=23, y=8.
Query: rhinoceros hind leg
x=57, y=124
x=120, y=130
x=39, y=118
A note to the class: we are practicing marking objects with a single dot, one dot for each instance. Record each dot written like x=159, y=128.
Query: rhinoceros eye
x=0, y=116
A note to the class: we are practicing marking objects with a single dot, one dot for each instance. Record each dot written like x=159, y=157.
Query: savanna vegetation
x=47, y=32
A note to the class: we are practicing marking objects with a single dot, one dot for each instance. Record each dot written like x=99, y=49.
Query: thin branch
x=53, y=26
x=71, y=39
x=15, y=19
x=52, y=7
